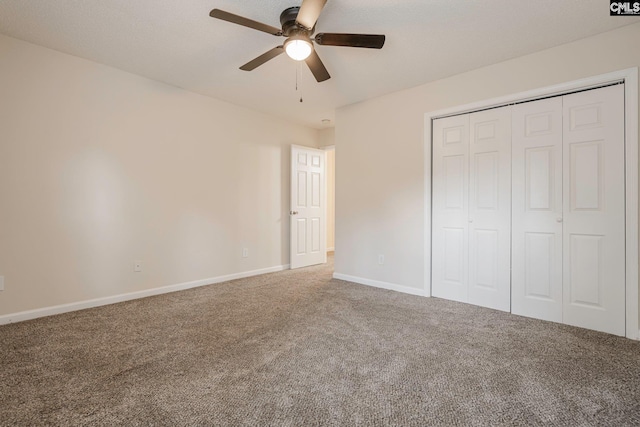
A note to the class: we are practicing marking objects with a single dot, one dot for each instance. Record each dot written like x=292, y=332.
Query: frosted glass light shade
x=298, y=49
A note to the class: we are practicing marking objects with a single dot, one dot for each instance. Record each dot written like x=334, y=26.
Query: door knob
x=293, y=212
x=470, y=219
x=559, y=219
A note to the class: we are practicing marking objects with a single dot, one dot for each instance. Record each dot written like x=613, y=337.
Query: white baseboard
x=379, y=284
x=81, y=305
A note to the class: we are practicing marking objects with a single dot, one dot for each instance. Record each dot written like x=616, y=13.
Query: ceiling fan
x=298, y=25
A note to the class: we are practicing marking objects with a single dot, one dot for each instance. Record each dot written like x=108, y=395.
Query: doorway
x=331, y=198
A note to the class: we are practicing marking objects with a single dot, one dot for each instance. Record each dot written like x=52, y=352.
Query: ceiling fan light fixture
x=298, y=48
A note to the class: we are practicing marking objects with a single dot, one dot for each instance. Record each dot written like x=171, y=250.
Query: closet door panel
x=594, y=210
x=450, y=208
x=537, y=210
x=490, y=208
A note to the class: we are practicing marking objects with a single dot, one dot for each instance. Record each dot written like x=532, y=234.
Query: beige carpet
x=298, y=348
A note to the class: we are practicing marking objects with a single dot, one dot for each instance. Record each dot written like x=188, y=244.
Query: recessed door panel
x=301, y=242
x=540, y=264
x=301, y=189
x=485, y=244
x=454, y=255
x=539, y=178
x=454, y=135
x=539, y=124
x=585, y=270
x=586, y=175
x=316, y=180
x=485, y=131
x=585, y=117
x=315, y=235
x=486, y=180
x=454, y=177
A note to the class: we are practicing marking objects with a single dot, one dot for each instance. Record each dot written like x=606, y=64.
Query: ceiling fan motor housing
x=289, y=25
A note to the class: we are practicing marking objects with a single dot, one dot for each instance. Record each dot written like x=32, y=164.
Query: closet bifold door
x=536, y=278
x=594, y=210
x=471, y=214
x=450, y=194
x=489, y=216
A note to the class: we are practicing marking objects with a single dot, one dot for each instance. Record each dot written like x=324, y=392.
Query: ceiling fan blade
x=317, y=67
x=246, y=22
x=309, y=12
x=262, y=59
x=371, y=41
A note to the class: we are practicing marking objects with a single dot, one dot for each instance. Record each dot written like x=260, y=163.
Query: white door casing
x=594, y=209
x=308, y=207
x=490, y=208
x=450, y=208
x=536, y=279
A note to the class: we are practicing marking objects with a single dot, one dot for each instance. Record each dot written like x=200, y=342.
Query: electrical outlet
x=137, y=266
x=380, y=259
x=245, y=252
x=1, y=283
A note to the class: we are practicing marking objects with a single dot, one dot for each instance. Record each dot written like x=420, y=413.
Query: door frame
x=630, y=78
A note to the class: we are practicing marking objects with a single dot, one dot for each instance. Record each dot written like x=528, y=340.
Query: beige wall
x=99, y=167
x=380, y=192
x=327, y=137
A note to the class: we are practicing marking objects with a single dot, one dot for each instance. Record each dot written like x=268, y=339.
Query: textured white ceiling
x=178, y=43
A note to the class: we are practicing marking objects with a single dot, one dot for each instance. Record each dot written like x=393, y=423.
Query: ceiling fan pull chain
x=298, y=88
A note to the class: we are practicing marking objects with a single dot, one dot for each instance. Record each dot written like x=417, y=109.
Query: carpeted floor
x=298, y=348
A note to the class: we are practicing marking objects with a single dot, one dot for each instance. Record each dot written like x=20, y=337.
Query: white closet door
x=490, y=208
x=450, y=208
x=594, y=210
x=536, y=279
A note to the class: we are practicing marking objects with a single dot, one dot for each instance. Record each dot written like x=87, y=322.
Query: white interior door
x=308, y=207
x=594, y=209
x=450, y=208
x=490, y=208
x=536, y=278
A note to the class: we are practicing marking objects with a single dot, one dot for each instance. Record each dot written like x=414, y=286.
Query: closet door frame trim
x=630, y=78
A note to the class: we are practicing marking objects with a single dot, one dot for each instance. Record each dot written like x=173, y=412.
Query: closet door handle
x=559, y=219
